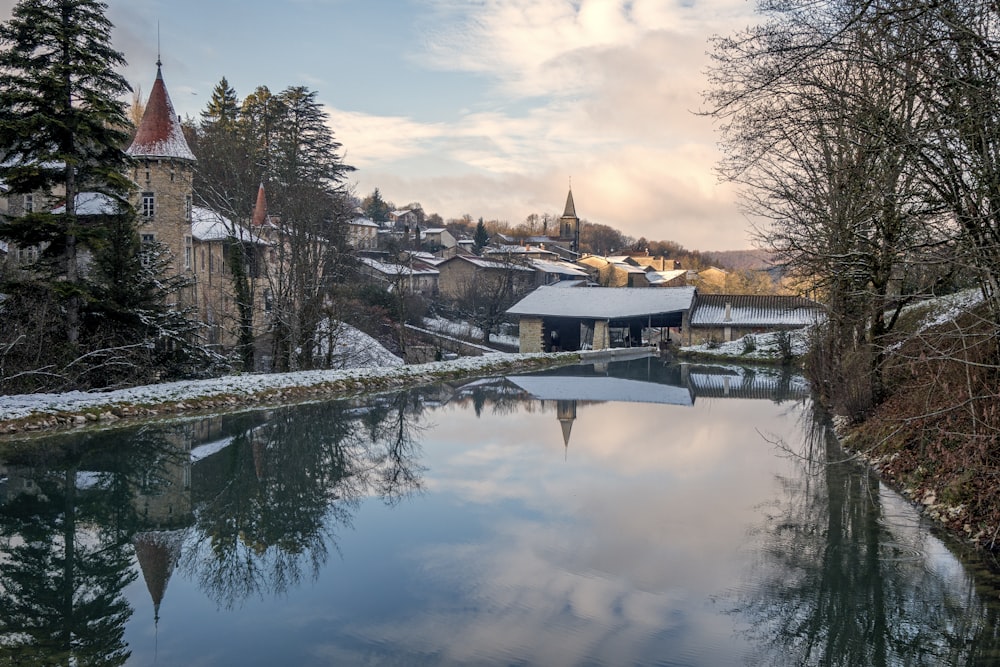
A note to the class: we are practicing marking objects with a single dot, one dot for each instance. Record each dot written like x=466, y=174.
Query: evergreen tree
x=62, y=128
x=376, y=208
x=308, y=173
x=481, y=237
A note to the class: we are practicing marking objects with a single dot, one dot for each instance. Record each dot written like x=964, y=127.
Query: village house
x=362, y=233
x=436, y=239
x=619, y=271
x=461, y=273
x=412, y=276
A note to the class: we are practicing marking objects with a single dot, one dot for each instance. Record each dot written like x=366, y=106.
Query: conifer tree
x=62, y=128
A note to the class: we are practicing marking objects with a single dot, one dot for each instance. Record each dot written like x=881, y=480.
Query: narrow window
x=148, y=207
x=187, y=207
x=29, y=203
x=188, y=252
x=147, y=248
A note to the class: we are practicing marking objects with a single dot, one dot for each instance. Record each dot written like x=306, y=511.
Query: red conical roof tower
x=260, y=208
x=160, y=134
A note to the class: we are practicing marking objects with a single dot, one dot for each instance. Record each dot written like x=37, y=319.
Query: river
x=635, y=513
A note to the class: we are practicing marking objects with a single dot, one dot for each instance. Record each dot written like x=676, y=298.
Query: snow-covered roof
x=396, y=269
x=562, y=388
x=490, y=264
x=517, y=249
x=656, y=277
x=428, y=258
x=561, y=268
x=363, y=222
x=92, y=203
x=160, y=134
x=3, y=246
x=604, y=302
x=208, y=225
x=755, y=310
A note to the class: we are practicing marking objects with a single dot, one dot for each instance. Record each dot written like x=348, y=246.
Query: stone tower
x=164, y=174
x=569, y=224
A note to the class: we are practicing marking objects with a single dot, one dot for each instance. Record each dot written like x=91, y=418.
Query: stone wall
x=531, y=334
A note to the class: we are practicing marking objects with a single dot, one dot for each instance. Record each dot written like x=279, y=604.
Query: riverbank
x=42, y=412
x=936, y=437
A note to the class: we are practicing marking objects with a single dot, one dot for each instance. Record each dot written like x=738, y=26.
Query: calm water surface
x=629, y=514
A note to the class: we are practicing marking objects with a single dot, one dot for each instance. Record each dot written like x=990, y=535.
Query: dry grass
x=937, y=436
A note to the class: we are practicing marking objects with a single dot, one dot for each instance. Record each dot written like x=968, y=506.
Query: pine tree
x=62, y=129
x=481, y=237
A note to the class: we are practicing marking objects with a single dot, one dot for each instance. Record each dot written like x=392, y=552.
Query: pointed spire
x=160, y=134
x=570, y=211
x=157, y=553
x=260, y=208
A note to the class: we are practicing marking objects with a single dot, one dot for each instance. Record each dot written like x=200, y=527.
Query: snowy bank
x=31, y=412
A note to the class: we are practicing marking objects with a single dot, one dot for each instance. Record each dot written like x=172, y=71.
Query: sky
x=491, y=108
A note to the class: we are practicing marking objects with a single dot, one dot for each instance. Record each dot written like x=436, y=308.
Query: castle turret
x=164, y=173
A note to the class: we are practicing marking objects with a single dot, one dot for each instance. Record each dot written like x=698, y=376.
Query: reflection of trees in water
x=833, y=587
x=66, y=563
x=268, y=517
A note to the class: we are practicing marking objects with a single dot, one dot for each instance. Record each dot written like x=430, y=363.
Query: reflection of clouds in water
x=524, y=586
x=614, y=569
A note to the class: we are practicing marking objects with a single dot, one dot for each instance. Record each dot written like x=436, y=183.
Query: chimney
x=729, y=312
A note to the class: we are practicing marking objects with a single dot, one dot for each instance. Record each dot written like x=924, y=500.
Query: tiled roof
x=754, y=310
x=159, y=133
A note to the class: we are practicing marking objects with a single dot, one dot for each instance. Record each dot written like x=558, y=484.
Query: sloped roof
x=159, y=133
x=396, y=269
x=755, y=310
x=363, y=222
x=604, y=302
x=209, y=225
x=92, y=203
x=655, y=277
x=562, y=268
x=487, y=263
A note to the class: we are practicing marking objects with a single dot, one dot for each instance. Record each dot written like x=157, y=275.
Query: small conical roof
x=157, y=553
x=260, y=208
x=160, y=134
x=570, y=211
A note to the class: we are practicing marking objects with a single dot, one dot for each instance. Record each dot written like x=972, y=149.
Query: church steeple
x=570, y=211
x=569, y=223
x=160, y=134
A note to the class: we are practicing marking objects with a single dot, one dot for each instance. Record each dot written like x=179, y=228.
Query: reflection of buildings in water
x=158, y=553
x=566, y=414
x=652, y=381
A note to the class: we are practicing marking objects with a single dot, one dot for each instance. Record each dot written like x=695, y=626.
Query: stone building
x=164, y=174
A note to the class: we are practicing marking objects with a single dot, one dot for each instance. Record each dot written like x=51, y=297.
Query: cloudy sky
x=485, y=107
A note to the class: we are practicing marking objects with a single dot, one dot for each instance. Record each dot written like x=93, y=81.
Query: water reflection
x=845, y=573
x=628, y=552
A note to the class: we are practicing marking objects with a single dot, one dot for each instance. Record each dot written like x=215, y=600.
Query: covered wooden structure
x=598, y=318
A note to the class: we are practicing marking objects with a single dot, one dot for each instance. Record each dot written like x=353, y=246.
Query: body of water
x=636, y=513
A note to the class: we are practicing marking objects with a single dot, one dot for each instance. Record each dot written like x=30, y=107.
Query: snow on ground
x=765, y=346
x=466, y=331
x=353, y=348
x=357, y=355
x=942, y=309
x=25, y=405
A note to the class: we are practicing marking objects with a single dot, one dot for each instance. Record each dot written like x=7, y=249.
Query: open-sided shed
x=597, y=317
